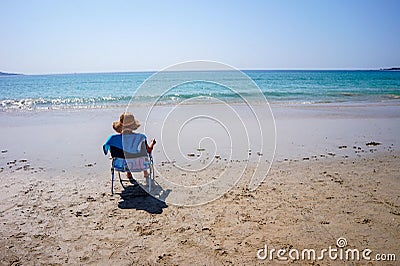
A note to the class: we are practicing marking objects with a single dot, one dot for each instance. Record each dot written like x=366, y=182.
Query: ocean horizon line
x=7, y=73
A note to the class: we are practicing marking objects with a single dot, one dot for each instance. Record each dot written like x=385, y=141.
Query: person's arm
x=151, y=146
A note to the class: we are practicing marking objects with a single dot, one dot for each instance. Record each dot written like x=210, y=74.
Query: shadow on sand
x=135, y=197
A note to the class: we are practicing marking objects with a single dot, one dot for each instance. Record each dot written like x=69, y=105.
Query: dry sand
x=63, y=213
x=301, y=205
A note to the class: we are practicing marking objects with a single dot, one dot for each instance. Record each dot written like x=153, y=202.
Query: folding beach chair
x=129, y=154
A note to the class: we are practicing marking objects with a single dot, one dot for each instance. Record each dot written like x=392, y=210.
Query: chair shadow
x=135, y=197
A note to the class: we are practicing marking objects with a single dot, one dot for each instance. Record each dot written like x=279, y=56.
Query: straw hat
x=126, y=122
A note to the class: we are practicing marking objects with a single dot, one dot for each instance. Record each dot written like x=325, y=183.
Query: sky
x=73, y=36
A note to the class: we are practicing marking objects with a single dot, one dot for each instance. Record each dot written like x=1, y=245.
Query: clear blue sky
x=101, y=36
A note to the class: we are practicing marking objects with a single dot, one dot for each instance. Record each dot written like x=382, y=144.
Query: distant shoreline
x=391, y=69
x=9, y=74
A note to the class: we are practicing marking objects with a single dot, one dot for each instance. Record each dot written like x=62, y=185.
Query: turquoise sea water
x=102, y=90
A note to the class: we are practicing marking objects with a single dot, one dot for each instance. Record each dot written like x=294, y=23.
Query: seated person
x=127, y=124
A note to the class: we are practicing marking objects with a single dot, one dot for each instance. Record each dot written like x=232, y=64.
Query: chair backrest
x=129, y=152
x=126, y=146
x=120, y=153
x=131, y=164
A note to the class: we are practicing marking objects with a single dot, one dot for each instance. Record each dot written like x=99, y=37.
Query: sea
x=105, y=90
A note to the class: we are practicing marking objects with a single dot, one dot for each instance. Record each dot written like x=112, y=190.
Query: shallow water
x=103, y=90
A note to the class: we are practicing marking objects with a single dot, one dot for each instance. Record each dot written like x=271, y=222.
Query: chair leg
x=151, y=175
x=112, y=181
x=149, y=183
x=152, y=168
x=120, y=180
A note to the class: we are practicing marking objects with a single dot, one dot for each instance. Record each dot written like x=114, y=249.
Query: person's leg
x=145, y=173
x=131, y=179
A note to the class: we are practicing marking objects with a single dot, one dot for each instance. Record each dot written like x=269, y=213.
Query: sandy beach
x=277, y=129
x=335, y=175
